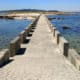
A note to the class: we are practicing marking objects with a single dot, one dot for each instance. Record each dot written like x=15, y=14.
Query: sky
x=61, y=5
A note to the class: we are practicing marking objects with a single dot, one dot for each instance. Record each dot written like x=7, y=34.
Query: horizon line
x=41, y=9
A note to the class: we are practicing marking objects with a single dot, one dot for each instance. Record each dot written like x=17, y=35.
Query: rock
x=66, y=27
x=51, y=18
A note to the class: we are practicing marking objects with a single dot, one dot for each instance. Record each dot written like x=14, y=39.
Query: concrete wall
x=63, y=44
x=59, y=40
x=15, y=44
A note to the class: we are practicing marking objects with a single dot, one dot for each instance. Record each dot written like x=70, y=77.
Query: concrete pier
x=42, y=59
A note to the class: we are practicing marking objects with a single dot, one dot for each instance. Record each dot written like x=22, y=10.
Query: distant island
x=31, y=11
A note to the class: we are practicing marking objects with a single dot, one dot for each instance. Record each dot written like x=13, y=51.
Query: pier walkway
x=42, y=59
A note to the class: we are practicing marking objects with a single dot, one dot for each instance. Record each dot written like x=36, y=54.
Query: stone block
x=64, y=46
x=14, y=46
x=22, y=36
x=4, y=56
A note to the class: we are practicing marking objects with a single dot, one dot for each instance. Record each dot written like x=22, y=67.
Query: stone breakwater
x=43, y=58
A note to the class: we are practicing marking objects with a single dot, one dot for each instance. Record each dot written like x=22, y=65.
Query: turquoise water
x=72, y=33
x=9, y=29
